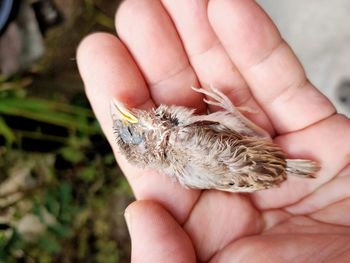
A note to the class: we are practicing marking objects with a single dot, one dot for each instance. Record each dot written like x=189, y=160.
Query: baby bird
x=222, y=150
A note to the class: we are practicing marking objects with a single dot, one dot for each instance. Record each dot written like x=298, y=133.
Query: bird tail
x=302, y=168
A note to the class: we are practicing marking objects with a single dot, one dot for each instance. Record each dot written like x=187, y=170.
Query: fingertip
x=139, y=212
x=91, y=55
x=145, y=208
x=155, y=234
x=126, y=11
x=91, y=43
x=146, y=212
x=107, y=67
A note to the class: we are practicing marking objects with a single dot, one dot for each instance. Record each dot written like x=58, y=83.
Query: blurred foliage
x=62, y=196
x=61, y=193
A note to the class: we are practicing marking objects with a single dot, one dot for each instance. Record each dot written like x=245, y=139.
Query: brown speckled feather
x=221, y=150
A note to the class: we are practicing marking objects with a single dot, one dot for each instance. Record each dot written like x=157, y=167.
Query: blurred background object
x=62, y=196
x=22, y=26
x=8, y=10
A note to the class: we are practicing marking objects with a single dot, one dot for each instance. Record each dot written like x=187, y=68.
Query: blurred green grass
x=62, y=196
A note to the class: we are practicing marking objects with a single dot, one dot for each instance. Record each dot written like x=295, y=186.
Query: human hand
x=164, y=48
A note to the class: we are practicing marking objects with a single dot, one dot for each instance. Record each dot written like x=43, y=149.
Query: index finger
x=109, y=71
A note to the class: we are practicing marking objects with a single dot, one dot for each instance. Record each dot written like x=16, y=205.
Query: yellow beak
x=119, y=111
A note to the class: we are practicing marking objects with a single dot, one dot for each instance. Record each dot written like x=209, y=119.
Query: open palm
x=164, y=48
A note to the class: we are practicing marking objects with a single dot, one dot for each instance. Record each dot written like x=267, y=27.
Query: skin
x=164, y=47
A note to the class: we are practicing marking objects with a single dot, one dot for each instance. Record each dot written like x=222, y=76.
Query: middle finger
x=209, y=58
x=147, y=31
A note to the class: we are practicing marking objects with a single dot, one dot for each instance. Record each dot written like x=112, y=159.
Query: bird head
x=136, y=133
x=141, y=135
x=127, y=125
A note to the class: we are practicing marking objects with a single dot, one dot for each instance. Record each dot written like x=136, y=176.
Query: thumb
x=155, y=235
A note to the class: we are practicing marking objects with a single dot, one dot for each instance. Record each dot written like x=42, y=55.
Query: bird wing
x=231, y=116
x=223, y=120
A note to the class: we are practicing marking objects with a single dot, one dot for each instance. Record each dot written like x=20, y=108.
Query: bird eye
x=129, y=135
x=129, y=130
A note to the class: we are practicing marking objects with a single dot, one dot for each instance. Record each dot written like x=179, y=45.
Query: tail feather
x=302, y=168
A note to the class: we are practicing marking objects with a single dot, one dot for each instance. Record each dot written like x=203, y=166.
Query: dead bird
x=222, y=150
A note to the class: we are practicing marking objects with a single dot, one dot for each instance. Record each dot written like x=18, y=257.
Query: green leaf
x=60, y=114
x=104, y=20
x=49, y=244
x=65, y=194
x=109, y=159
x=6, y=131
x=71, y=154
x=124, y=187
x=60, y=230
x=51, y=204
x=87, y=174
x=2, y=240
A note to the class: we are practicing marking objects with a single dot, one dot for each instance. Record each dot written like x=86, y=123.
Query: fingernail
x=127, y=217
